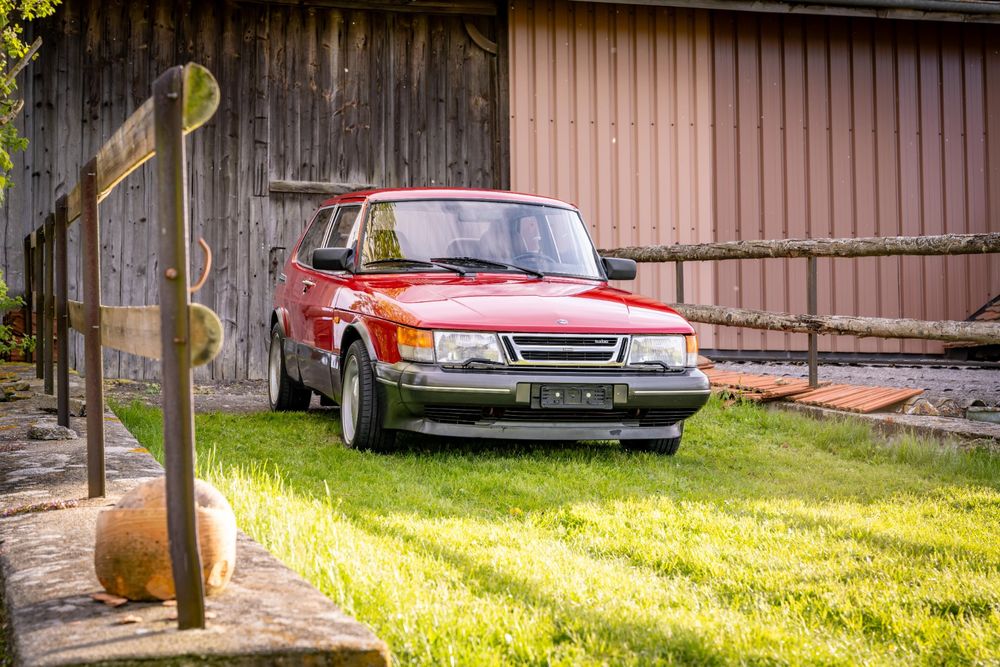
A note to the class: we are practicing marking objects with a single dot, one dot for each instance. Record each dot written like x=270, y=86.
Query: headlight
x=458, y=347
x=675, y=351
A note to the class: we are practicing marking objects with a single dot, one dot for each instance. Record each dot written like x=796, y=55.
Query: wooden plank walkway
x=763, y=388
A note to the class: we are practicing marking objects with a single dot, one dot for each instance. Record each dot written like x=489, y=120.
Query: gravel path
x=962, y=384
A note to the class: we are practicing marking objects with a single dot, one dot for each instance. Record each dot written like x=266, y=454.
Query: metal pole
x=62, y=316
x=811, y=307
x=92, y=355
x=679, y=269
x=177, y=379
x=29, y=268
x=47, y=347
x=37, y=241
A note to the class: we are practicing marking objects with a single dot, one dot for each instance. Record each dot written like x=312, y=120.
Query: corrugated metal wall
x=674, y=125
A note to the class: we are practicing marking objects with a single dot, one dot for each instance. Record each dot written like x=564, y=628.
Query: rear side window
x=314, y=236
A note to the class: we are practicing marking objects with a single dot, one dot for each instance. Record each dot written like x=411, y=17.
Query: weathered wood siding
x=310, y=93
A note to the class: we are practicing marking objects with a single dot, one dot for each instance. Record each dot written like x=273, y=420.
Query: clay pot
x=132, y=555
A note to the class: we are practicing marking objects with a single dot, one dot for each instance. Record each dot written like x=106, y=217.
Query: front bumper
x=504, y=403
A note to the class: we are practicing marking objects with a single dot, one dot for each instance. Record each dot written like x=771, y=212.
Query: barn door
x=395, y=99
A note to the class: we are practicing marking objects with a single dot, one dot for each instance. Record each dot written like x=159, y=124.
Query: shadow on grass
x=665, y=642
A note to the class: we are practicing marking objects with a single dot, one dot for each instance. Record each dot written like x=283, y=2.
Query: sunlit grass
x=769, y=539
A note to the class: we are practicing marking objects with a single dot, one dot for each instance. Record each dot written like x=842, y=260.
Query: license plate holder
x=576, y=396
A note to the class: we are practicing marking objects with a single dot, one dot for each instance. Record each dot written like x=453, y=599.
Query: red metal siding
x=674, y=125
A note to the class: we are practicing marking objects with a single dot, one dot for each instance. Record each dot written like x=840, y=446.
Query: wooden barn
x=664, y=121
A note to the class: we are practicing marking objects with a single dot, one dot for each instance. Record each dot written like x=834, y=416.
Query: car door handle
x=307, y=285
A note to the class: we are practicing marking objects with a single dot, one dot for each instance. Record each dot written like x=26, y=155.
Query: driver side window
x=314, y=237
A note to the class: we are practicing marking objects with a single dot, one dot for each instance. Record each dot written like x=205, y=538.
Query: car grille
x=565, y=350
x=470, y=415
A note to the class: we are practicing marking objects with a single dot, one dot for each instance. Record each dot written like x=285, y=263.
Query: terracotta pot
x=132, y=556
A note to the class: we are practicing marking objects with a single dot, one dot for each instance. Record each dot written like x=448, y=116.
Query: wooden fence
x=176, y=332
x=811, y=323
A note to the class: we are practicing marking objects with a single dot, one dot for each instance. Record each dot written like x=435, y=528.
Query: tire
x=360, y=407
x=662, y=446
x=283, y=393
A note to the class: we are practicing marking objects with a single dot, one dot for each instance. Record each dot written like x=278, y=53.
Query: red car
x=475, y=313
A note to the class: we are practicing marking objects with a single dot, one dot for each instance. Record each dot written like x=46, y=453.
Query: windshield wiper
x=489, y=262
x=420, y=262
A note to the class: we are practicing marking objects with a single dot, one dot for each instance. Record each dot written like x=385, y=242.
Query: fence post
x=679, y=270
x=92, y=355
x=177, y=379
x=811, y=307
x=62, y=316
x=38, y=241
x=49, y=331
x=29, y=268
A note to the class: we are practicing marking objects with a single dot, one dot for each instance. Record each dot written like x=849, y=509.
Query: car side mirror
x=618, y=268
x=333, y=259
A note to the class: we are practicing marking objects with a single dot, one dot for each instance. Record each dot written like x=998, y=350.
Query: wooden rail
x=134, y=142
x=964, y=332
x=180, y=334
x=811, y=249
x=871, y=246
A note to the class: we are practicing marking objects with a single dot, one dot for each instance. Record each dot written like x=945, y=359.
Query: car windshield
x=477, y=236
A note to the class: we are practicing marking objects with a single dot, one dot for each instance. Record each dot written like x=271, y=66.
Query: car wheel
x=360, y=410
x=283, y=393
x=663, y=446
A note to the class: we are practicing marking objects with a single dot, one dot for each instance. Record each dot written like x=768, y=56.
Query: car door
x=319, y=362
x=300, y=279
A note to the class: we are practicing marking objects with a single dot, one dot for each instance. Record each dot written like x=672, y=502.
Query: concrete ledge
x=966, y=433
x=267, y=615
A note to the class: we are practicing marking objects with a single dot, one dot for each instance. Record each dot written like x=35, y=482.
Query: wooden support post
x=62, y=318
x=176, y=376
x=29, y=269
x=50, y=302
x=679, y=270
x=811, y=306
x=92, y=354
x=37, y=241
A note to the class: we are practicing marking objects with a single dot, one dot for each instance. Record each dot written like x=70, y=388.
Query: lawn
x=769, y=539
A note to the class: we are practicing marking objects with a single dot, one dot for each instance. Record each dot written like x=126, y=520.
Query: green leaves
x=14, y=15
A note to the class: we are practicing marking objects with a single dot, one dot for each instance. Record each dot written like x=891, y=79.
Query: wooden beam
x=317, y=187
x=136, y=330
x=132, y=144
x=975, y=332
x=962, y=11
x=481, y=40
x=874, y=246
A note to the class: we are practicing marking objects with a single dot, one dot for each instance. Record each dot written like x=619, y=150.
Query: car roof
x=410, y=194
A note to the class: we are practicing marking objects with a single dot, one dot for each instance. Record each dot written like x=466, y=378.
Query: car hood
x=505, y=303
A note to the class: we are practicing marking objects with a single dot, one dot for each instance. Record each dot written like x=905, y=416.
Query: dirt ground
x=241, y=396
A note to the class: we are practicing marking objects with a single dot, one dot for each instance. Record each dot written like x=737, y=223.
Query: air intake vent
x=565, y=350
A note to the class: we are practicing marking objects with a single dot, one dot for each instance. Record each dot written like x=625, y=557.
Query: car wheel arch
x=354, y=331
x=279, y=316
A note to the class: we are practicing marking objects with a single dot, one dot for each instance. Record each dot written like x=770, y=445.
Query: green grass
x=769, y=539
